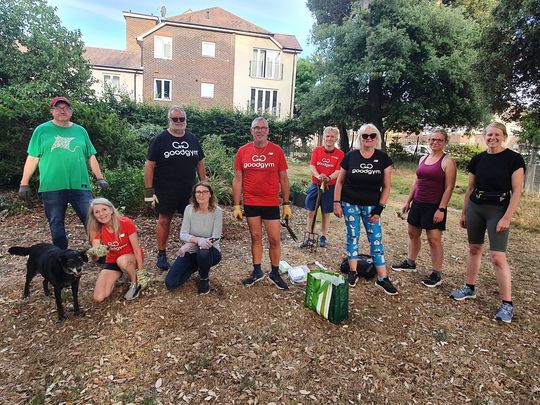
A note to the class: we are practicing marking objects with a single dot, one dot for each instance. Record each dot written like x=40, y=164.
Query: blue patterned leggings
x=353, y=214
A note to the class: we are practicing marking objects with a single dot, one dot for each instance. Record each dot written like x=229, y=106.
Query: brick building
x=208, y=58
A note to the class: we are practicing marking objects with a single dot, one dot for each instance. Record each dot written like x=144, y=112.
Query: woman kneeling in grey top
x=201, y=230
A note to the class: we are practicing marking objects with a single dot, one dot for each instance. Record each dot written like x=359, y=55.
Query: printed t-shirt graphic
x=326, y=162
x=63, y=153
x=176, y=159
x=261, y=173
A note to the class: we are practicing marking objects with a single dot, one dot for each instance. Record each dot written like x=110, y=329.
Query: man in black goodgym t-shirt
x=174, y=158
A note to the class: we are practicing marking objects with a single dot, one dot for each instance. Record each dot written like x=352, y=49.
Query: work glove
x=204, y=243
x=237, y=213
x=24, y=192
x=150, y=197
x=286, y=214
x=102, y=183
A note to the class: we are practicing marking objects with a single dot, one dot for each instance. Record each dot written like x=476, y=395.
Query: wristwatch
x=442, y=209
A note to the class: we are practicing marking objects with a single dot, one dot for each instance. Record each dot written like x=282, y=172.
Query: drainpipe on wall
x=293, y=82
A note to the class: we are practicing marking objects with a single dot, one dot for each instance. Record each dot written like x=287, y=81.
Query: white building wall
x=130, y=82
x=243, y=83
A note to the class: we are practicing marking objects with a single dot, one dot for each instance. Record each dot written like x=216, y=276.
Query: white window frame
x=207, y=90
x=162, y=47
x=208, y=49
x=160, y=84
x=265, y=101
x=108, y=82
x=266, y=64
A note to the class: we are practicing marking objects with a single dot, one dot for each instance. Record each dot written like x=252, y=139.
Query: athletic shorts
x=327, y=198
x=111, y=266
x=421, y=216
x=170, y=202
x=485, y=217
x=270, y=212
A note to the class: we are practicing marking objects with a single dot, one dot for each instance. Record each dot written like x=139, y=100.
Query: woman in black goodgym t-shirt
x=493, y=194
x=362, y=189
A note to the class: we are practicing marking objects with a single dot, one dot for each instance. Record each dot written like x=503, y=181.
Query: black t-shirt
x=365, y=177
x=176, y=159
x=494, y=171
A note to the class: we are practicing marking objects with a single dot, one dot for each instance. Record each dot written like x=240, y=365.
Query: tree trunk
x=375, y=107
x=344, y=144
x=531, y=170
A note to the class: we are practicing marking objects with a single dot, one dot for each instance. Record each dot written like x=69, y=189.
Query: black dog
x=61, y=268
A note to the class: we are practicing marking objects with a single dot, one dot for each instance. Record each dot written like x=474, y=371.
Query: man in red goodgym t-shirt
x=260, y=172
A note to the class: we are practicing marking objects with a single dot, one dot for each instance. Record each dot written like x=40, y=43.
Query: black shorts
x=170, y=202
x=265, y=212
x=111, y=266
x=421, y=216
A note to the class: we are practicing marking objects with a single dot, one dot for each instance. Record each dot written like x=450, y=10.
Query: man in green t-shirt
x=62, y=150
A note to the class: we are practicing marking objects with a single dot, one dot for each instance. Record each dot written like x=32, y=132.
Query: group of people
x=353, y=185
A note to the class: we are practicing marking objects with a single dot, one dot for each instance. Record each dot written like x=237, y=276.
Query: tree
x=39, y=57
x=399, y=64
x=476, y=9
x=509, y=60
x=330, y=11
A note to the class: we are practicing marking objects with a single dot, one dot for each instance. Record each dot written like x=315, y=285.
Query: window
x=162, y=89
x=264, y=101
x=207, y=90
x=162, y=47
x=209, y=49
x=111, y=82
x=266, y=64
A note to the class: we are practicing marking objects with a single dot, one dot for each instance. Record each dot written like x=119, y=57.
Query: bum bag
x=497, y=197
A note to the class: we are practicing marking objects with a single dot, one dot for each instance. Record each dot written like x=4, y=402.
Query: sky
x=102, y=24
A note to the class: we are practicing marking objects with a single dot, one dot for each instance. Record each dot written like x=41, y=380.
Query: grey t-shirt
x=204, y=225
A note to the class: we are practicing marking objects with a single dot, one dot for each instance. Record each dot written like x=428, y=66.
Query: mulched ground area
x=260, y=345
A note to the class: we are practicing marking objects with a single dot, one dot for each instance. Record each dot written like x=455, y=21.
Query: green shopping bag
x=327, y=294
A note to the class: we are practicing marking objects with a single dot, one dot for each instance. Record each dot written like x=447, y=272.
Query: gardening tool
x=311, y=239
x=285, y=223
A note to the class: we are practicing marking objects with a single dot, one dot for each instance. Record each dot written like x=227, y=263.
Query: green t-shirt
x=63, y=153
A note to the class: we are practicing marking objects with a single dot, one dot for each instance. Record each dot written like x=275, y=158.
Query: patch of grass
x=149, y=399
x=37, y=399
x=528, y=214
x=298, y=171
x=128, y=397
x=440, y=335
x=246, y=383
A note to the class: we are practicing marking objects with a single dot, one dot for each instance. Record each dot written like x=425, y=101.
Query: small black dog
x=61, y=268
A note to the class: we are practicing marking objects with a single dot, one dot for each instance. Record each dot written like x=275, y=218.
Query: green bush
x=219, y=161
x=462, y=154
x=126, y=189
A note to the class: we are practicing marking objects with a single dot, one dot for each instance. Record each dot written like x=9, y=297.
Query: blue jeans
x=55, y=204
x=185, y=266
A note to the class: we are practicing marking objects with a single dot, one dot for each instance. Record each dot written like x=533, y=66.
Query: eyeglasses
x=202, y=192
x=367, y=136
x=437, y=140
x=63, y=109
x=259, y=128
x=177, y=119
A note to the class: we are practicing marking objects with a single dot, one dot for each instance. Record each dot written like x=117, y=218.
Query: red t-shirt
x=326, y=162
x=261, y=173
x=121, y=245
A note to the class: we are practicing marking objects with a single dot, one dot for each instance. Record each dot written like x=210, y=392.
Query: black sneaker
x=404, y=266
x=276, y=279
x=352, y=278
x=433, y=280
x=204, y=287
x=162, y=262
x=387, y=286
x=252, y=279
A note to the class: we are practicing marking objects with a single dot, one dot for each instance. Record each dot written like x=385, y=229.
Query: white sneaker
x=133, y=291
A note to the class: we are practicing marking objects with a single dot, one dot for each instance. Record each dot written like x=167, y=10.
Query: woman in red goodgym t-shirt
x=119, y=234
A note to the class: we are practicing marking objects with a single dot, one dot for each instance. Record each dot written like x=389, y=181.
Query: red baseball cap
x=57, y=100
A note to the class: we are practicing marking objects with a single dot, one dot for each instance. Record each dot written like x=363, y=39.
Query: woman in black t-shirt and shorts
x=495, y=184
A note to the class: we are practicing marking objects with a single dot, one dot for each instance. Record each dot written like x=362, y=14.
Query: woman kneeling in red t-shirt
x=119, y=234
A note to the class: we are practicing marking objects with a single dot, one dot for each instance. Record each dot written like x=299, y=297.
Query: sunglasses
x=177, y=119
x=367, y=136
